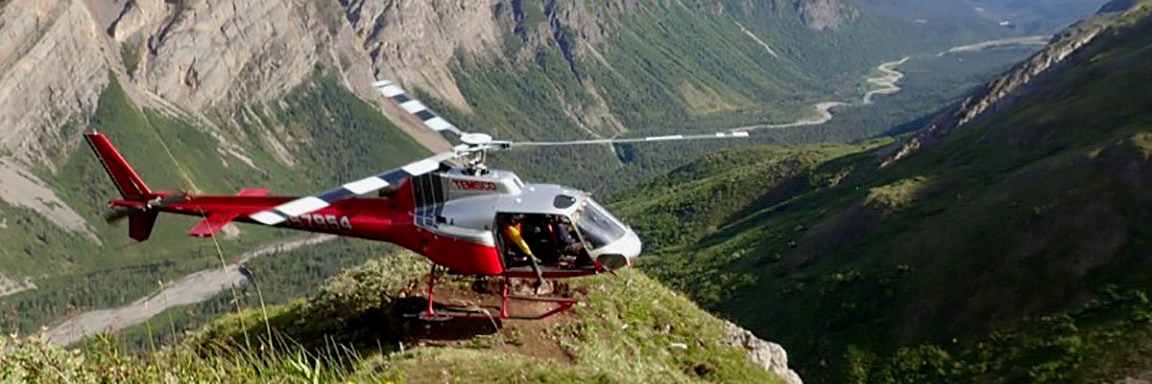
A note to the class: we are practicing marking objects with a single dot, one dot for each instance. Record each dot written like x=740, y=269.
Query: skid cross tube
x=431, y=313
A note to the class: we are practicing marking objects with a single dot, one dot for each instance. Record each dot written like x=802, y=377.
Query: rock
x=825, y=14
x=767, y=354
x=414, y=41
x=206, y=55
x=52, y=71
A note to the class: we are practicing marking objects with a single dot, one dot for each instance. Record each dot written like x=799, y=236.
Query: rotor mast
x=476, y=151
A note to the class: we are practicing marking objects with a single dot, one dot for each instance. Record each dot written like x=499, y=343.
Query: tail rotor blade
x=177, y=197
x=117, y=214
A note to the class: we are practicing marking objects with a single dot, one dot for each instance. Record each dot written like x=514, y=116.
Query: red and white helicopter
x=452, y=214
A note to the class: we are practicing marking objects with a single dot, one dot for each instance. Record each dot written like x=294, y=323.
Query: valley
x=888, y=169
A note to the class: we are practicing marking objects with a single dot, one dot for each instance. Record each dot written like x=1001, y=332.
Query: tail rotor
x=118, y=213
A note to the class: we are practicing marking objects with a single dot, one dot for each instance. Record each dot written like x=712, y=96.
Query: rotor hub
x=475, y=139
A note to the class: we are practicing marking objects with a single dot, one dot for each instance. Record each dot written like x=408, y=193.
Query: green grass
x=619, y=336
x=631, y=329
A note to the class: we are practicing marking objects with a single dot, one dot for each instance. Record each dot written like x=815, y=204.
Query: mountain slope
x=1030, y=210
x=630, y=329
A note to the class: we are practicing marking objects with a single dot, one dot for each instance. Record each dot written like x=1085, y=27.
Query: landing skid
x=434, y=312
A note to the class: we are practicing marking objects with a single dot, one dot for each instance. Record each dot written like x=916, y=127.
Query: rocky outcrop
x=201, y=55
x=825, y=14
x=767, y=354
x=52, y=70
x=417, y=40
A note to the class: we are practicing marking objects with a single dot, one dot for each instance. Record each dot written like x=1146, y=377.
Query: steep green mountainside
x=1007, y=250
x=630, y=329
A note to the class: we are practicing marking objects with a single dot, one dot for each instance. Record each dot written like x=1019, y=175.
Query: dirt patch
x=9, y=286
x=532, y=338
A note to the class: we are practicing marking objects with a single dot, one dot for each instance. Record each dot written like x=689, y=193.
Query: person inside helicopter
x=512, y=229
x=567, y=246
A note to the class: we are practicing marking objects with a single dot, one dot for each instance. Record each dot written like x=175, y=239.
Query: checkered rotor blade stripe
x=309, y=204
x=416, y=108
x=717, y=135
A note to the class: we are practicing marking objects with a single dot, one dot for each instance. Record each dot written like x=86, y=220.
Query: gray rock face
x=416, y=40
x=767, y=354
x=201, y=55
x=825, y=14
x=52, y=70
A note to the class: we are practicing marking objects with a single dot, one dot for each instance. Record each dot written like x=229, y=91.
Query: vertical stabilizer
x=122, y=174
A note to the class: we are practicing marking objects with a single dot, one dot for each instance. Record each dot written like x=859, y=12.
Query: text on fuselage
x=475, y=185
x=319, y=221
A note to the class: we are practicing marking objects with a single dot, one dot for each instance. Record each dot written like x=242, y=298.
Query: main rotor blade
x=416, y=108
x=309, y=204
x=717, y=135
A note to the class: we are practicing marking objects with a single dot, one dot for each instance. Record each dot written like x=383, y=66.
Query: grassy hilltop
x=629, y=329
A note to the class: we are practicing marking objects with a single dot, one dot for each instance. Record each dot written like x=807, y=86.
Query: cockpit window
x=597, y=226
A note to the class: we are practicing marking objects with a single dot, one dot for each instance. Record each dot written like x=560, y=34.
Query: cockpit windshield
x=597, y=226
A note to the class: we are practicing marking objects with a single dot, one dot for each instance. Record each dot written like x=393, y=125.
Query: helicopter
x=449, y=207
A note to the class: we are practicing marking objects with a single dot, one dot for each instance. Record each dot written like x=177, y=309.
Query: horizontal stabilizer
x=252, y=192
x=211, y=224
x=215, y=221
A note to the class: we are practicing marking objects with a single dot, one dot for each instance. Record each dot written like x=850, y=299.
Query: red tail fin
x=129, y=184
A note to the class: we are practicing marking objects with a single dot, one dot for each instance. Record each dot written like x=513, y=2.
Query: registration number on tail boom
x=318, y=221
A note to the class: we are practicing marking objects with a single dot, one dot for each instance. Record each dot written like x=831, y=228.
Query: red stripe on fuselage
x=379, y=219
x=460, y=255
